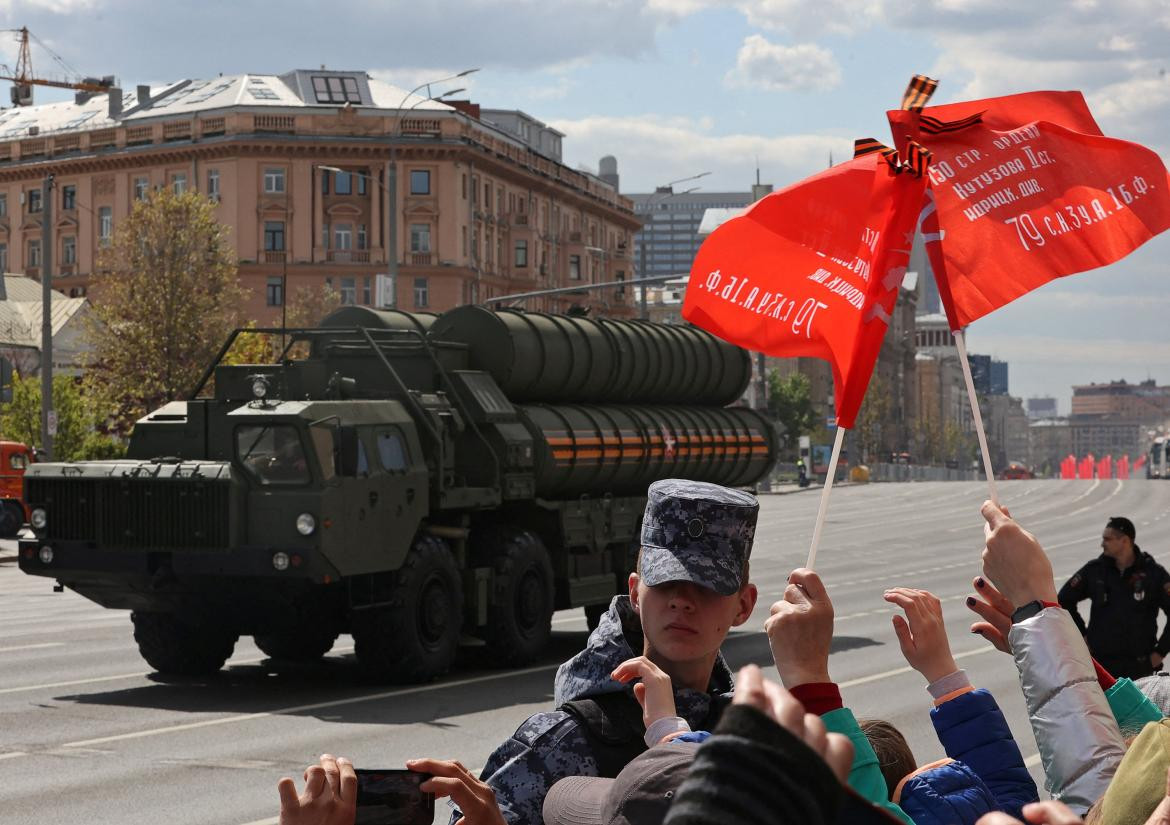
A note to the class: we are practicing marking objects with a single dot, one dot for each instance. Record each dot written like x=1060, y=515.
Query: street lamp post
x=48, y=414
x=661, y=193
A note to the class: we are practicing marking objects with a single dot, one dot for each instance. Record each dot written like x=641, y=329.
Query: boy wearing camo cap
x=690, y=589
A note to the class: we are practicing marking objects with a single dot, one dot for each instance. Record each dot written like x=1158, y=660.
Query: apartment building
x=324, y=178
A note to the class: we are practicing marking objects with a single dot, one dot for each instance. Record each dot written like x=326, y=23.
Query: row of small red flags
x=1091, y=467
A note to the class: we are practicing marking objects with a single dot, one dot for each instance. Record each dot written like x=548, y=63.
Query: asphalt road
x=87, y=735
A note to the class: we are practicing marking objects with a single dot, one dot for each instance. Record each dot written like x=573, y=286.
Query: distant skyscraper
x=671, y=231
x=999, y=378
x=980, y=372
x=928, y=300
x=1041, y=407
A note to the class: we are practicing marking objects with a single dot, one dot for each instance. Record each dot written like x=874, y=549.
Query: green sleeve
x=865, y=776
x=1130, y=707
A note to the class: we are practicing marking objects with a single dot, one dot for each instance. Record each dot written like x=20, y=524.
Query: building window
x=69, y=197
x=3, y=258
x=420, y=293
x=3, y=205
x=213, y=184
x=336, y=89
x=325, y=235
x=273, y=236
x=361, y=236
x=343, y=236
x=575, y=267
x=105, y=224
x=274, y=181
x=179, y=182
x=420, y=182
x=348, y=291
x=463, y=235
x=521, y=253
x=366, y=290
x=420, y=237
x=34, y=200
x=474, y=189
x=620, y=275
x=325, y=176
x=69, y=249
x=141, y=187
x=463, y=184
x=34, y=253
x=362, y=180
x=342, y=183
x=487, y=197
x=274, y=293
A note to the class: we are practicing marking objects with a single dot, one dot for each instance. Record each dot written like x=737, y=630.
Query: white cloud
x=803, y=67
x=652, y=149
x=810, y=17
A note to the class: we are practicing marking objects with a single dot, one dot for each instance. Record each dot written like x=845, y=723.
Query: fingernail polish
x=979, y=582
x=970, y=601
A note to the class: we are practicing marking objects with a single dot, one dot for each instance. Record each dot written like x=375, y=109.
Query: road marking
x=31, y=647
x=332, y=703
x=873, y=677
x=11, y=755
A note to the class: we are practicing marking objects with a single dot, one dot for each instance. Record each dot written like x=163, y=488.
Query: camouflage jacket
x=551, y=745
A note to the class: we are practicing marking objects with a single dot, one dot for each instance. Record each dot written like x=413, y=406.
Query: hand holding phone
x=393, y=797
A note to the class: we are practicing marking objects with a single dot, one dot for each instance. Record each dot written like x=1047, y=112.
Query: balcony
x=421, y=258
x=274, y=256
x=574, y=237
x=347, y=256
x=66, y=270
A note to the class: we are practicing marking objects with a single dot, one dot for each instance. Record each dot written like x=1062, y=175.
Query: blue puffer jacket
x=985, y=771
x=944, y=793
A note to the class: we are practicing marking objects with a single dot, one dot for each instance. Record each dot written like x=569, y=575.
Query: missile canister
x=559, y=358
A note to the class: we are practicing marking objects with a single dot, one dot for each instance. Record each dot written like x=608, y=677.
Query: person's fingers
x=988, y=632
x=796, y=594
x=811, y=583
x=998, y=818
x=902, y=631
x=332, y=772
x=990, y=615
x=788, y=712
x=289, y=801
x=783, y=607
x=640, y=694
x=315, y=781
x=815, y=734
x=839, y=755
x=749, y=687
x=901, y=599
x=438, y=767
x=349, y=781
x=996, y=599
x=1050, y=812
x=994, y=516
x=1006, y=511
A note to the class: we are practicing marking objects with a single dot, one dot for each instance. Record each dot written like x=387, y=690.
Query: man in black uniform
x=1126, y=588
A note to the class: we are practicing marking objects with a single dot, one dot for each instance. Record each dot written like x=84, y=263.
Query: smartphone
x=393, y=797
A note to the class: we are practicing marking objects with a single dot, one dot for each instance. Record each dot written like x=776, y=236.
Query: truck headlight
x=45, y=554
x=280, y=560
x=38, y=518
x=306, y=524
x=259, y=386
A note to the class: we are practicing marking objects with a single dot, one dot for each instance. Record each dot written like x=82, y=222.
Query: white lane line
x=272, y=820
x=31, y=647
x=332, y=703
x=874, y=677
x=11, y=755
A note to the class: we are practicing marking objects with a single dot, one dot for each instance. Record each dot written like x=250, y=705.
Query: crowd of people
x=649, y=725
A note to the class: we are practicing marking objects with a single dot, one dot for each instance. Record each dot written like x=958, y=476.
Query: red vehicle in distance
x=14, y=460
x=1016, y=471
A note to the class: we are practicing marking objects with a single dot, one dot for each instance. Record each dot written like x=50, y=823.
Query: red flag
x=814, y=269
x=1025, y=189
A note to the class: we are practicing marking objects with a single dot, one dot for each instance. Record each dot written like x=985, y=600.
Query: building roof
x=21, y=314
x=298, y=89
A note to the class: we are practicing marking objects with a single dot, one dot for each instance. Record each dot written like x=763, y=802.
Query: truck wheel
x=305, y=645
x=520, y=615
x=414, y=638
x=11, y=519
x=176, y=647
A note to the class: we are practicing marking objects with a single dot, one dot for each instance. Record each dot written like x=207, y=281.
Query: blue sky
x=676, y=87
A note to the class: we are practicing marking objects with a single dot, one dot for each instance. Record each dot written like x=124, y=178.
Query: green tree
x=76, y=437
x=168, y=297
x=790, y=403
x=874, y=424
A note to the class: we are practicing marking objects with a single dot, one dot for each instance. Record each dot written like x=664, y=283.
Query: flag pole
x=816, y=538
x=961, y=345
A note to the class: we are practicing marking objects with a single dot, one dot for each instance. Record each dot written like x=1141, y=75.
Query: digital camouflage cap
x=697, y=532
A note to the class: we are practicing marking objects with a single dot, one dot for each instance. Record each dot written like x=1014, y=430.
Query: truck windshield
x=272, y=453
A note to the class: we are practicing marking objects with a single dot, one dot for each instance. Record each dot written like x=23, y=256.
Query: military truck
x=415, y=480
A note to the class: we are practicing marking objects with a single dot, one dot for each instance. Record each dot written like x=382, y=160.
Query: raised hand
x=800, y=630
x=329, y=798
x=1049, y=812
x=475, y=799
x=654, y=693
x=1014, y=561
x=751, y=688
x=922, y=634
x=996, y=612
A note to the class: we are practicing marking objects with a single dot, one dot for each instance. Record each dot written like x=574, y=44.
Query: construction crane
x=23, y=78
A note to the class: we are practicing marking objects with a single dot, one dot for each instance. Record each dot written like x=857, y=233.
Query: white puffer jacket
x=1080, y=743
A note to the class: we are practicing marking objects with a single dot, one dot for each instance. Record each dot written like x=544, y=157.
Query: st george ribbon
x=814, y=270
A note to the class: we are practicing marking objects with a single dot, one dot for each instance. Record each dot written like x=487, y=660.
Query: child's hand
x=654, y=693
x=996, y=612
x=922, y=634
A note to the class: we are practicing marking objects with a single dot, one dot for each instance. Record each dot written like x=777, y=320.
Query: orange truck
x=14, y=460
